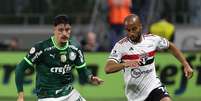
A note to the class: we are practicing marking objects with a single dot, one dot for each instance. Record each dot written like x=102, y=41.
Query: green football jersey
x=54, y=65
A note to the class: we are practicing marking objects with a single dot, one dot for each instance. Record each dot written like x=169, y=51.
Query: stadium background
x=30, y=21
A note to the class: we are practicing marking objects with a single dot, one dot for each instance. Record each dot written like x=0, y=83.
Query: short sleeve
x=34, y=55
x=116, y=53
x=162, y=43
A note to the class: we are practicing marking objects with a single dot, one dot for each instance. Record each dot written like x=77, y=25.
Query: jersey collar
x=55, y=44
x=142, y=38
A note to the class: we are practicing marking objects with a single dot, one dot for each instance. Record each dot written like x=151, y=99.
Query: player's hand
x=20, y=99
x=20, y=96
x=96, y=80
x=188, y=71
x=131, y=63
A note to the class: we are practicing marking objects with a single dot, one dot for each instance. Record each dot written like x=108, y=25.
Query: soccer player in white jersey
x=134, y=55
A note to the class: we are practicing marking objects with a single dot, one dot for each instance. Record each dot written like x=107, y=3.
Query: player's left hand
x=188, y=71
x=96, y=80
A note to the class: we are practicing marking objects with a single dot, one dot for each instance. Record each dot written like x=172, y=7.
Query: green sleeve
x=84, y=74
x=19, y=74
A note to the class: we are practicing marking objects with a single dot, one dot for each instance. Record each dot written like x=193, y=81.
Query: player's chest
x=141, y=49
x=58, y=58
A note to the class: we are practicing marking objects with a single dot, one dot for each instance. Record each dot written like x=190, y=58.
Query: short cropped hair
x=61, y=19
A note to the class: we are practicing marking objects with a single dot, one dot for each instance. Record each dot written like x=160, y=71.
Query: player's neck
x=62, y=44
x=58, y=44
x=136, y=41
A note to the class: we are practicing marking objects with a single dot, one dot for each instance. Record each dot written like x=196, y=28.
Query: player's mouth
x=135, y=38
x=64, y=38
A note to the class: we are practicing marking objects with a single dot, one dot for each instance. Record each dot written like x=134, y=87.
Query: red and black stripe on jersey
x=149, y=56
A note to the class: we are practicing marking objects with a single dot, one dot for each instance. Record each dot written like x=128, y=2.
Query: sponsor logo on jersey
x=58, y=91
x=37, y=54
x=63, y=58
x=136, y=72
x=163, y=43
x=52, y=55
x=73, y=47
x=114, y=54
x=72, y=56
x=131, y=48
x=32, y=50
x=49, y=48
x=81, y=56
x=61, y=70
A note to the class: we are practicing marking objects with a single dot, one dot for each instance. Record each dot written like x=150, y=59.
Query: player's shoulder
x=121, y=44
x=123, y=40
x=42, y=44
x=150, y=36
x=74, y=44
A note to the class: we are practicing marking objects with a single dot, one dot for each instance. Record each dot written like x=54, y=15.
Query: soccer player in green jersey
x=53, y=60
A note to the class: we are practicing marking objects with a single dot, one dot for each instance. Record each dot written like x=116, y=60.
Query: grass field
x=113, y=87
x=104, y=99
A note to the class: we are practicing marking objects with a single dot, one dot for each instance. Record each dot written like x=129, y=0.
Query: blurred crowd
x=158, y=17
x=10, y=44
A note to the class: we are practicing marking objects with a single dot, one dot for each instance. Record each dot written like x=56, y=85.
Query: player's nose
x=66, y=34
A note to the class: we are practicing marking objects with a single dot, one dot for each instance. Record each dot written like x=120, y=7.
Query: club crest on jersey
x=72, y=56
x=143, y=57
x=63, y=58
x=32, y=50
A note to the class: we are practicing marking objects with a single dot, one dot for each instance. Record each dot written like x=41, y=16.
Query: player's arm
x=163, y=43
x=19, y=78
x=112, y=66
x=31, y=58
x=178, y=54
x=86, y=75
x=115, y=63
x=83, y=72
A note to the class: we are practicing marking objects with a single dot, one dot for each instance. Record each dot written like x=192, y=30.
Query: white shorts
x=74, y=95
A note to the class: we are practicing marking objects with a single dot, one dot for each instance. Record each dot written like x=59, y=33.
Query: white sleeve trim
x=113, y=59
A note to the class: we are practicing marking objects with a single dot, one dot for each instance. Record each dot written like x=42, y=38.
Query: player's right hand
x=96, y=80
x=131, y=63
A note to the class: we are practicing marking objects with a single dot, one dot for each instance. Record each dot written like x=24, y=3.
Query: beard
x=135, y=39
x=63, y=41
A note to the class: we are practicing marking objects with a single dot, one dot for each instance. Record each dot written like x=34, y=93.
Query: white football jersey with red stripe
x=139, y=81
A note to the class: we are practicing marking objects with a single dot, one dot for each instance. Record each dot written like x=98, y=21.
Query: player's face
x=62, y=32
x=133, y=29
